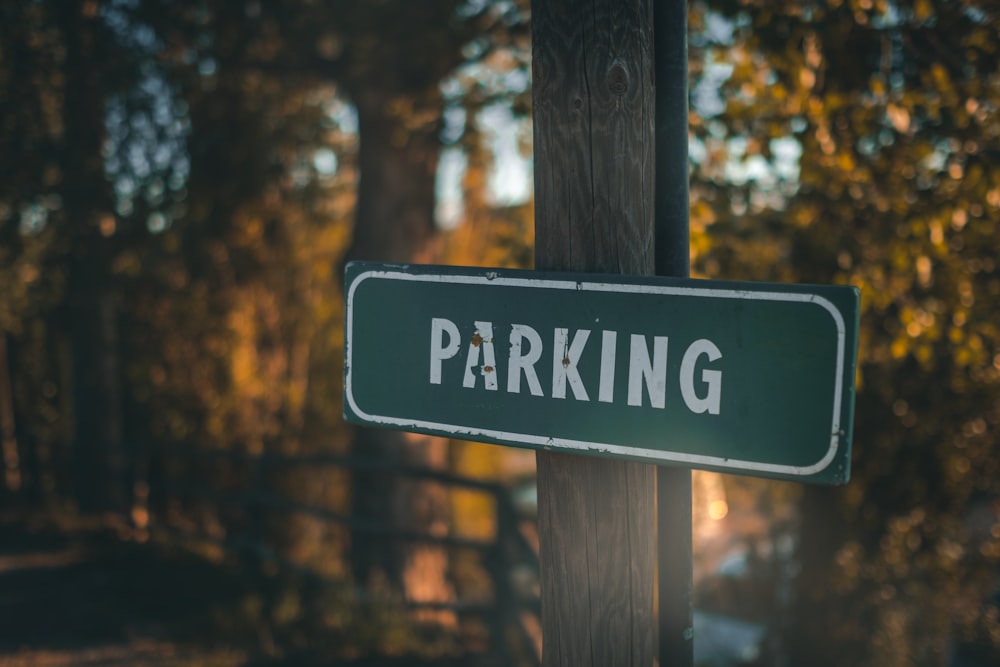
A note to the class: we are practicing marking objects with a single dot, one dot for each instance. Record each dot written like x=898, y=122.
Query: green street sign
x=754, y=378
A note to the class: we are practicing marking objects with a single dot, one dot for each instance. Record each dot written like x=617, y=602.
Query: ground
x=85, y=597
x=74, y=593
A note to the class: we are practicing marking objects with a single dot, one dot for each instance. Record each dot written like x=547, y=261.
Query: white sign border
x=494, y=278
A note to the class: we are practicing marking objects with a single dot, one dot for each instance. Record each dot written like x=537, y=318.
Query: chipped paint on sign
x=729, y=376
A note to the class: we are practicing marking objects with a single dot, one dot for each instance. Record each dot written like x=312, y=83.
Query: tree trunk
x=814, y=639
x=397, y=161
x=8, y=440
x=90, y=307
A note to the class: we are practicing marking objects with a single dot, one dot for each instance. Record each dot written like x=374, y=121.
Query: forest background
x=182, y=182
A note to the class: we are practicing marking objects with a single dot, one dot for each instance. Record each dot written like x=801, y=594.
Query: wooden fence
x=509, y=560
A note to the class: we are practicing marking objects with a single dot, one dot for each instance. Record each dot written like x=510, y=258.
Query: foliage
x=186, y=180
x=205, y=166
x=855, y=146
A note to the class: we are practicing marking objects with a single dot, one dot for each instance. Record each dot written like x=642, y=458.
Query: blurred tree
x=27, y=153
x=90, y=64
x=236, y=339
x=61, y=64
x=185, y=177
x=392, y=59
x=246, y=64
x=854, y=142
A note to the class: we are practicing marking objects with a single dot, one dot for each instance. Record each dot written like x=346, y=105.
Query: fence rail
x=506, y=557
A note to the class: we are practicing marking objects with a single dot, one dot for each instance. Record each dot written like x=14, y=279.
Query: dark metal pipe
x=673, y=240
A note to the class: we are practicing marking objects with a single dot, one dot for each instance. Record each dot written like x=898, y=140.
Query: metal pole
x=673, y=240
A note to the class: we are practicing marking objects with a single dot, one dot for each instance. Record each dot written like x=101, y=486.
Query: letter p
x=439, y=350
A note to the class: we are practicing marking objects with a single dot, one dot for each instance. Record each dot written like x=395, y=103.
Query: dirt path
x=72, y=597
x=91, y=600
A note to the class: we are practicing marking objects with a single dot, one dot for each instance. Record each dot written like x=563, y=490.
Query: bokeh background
x=181, y=183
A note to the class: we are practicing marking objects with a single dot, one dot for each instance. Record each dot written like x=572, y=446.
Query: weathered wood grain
x=593, y=98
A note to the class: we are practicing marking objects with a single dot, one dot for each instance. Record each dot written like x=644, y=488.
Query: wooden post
x=593, y=98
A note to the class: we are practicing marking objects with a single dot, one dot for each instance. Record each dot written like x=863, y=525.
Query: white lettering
x=647, y=369
x=523, y=362
x=482, y=339
x=609, y=340
x=440, y=351
x=565, y=356
x=710, y=402
x=641, y=371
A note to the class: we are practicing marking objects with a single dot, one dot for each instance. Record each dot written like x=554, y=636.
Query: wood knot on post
x=618, y=79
